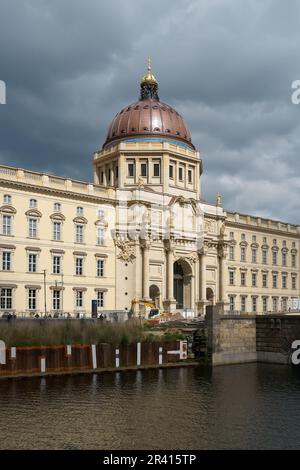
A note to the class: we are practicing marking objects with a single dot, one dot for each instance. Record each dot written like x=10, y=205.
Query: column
x=203, y=276
x=112, y=176
x=201, y=282
x=222, y=290
x=146, y=268
x=170, y=270
x=169, y=302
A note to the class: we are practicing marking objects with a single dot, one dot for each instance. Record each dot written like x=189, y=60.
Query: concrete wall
x=235, y=339
x=231, y=339
x=274, y=337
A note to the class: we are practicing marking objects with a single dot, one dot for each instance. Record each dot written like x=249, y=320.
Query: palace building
x=141, y=233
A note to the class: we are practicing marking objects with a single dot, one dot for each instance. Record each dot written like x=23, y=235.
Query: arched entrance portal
x=182, y=284
x=210, y=296
x=154, y=294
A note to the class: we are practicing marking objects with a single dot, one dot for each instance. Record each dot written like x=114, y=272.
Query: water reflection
x=243, y=406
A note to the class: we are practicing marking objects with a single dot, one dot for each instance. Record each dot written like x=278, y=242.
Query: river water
x=251, y=406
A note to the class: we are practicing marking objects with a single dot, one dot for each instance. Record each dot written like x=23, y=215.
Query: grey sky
x=226, y=65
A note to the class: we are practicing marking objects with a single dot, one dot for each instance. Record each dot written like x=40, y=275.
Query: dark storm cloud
x=226, y=65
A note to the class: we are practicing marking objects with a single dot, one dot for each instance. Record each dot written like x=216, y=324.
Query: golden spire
x=149, y=78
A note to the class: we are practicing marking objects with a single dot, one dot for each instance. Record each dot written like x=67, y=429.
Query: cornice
x=29, y=188
x=257, y=228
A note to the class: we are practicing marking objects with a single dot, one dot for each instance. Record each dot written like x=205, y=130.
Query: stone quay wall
x=233, y=339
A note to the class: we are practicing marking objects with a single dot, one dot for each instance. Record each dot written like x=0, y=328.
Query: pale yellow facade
x=65, y=243
x=140, y=234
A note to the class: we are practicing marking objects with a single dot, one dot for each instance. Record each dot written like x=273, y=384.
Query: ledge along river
x=229, y=407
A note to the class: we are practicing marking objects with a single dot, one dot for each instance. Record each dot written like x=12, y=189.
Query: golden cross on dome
x=149, y=64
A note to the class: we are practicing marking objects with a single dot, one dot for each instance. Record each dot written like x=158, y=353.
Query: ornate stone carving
x=126, y=250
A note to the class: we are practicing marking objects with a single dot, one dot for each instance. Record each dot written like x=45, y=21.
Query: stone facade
x=140, y=234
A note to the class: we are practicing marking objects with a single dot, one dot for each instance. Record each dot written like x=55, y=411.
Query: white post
x=13, y=353
x=117, y=358
x=2, y=353
x=138, y=354
x=94, y=356
x=160, y=357
x=43, y=365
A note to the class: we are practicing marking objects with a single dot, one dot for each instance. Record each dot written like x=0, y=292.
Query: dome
x=149, y=119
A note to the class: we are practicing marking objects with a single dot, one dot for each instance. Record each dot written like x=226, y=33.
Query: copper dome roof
x=148, y=117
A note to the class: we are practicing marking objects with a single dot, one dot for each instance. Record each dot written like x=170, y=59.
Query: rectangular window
x=32, y=228
x=254, y=279
x=231, y=303
x=79, y=233
x=243, y=278
x=254, y=238
x=33, y=203
x=231, y=236
x=32, y=263
x=57, y=207
x=254, y=255
x=284, y=304
x=264, y=240
x=32, y=299
x=6, y=261
x=100, y=267
x=79, y=266
x=231, y=253
x=190, y=176
x=274, y=258
x=79, y=210
x=56, y=264
x=79, y=298
x=265, y=304
x=293, y=260
x=243, y=304
x=231, y=278
x=56, y=300
x=294, y=282
x=274, y=281
x=180, y=174
x=6, y=298
x=283, y=259
x=100, y=236
x=156, y=169
x=243, y=253
x=284, y=281
x=100, y=299
x=264, y=256
x=275, y=304
x=6, y=225
x=100, y=213
x=7, y=199
x=131, y=170
x=57, y=231
x=254, y=304
x=264, y=280
x=243, y=237
x=171, y=171
x=144, y=169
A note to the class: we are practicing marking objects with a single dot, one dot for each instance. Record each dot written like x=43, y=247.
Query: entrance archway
x=210, y=295
x=182, y=276
x=154, y=294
